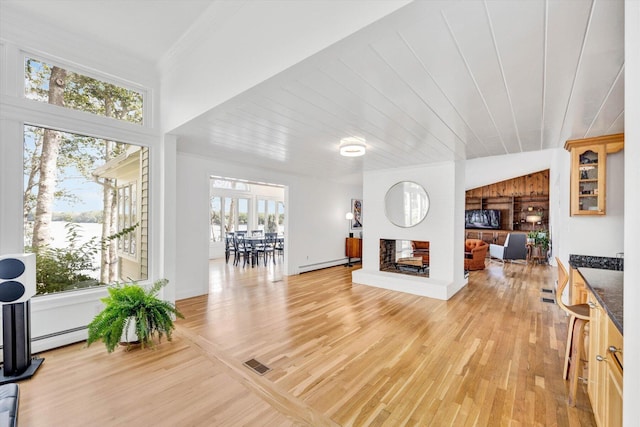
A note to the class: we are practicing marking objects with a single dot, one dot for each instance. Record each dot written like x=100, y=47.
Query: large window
x=81, y=209
x=85, y=198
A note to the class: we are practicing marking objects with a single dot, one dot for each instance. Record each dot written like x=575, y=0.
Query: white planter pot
x=129, y=332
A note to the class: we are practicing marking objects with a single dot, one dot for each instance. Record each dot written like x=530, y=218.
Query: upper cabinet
x=588, y=172
x=588, y=179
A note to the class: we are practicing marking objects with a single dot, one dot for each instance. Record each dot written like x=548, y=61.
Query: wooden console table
x=353, y=249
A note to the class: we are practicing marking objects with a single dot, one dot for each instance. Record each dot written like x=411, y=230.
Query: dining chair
x=279, y=248
x=229, y=248
x=243, y=250
x=268, y=247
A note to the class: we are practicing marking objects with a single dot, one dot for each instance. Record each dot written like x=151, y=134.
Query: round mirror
x=406, y=204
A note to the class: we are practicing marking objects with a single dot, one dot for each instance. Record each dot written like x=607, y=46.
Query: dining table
x=256, y=241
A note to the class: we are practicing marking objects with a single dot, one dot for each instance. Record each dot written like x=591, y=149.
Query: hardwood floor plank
x=340, y=353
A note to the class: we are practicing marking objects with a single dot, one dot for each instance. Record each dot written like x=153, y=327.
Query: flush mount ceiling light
x=352, y=147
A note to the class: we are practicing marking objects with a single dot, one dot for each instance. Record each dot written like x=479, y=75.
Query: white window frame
x=73, y=67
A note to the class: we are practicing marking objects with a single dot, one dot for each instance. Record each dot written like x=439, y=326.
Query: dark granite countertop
x=608, y=288
x=603, y=262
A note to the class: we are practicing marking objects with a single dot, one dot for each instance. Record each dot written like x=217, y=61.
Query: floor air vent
x=256, y=366
x=551, y=300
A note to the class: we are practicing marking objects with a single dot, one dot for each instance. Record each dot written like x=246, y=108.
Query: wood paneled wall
x=535, y=184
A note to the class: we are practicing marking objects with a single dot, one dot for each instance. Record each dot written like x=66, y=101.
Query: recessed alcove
x=409, y=257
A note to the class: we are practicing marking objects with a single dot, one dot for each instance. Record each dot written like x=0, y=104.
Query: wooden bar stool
x=575, y=354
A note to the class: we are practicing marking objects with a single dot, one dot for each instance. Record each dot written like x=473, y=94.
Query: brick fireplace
x=398, y=256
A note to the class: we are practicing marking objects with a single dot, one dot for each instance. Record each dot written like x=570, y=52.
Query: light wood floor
x=340, y=354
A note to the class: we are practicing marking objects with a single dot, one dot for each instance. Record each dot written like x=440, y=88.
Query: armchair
x=420, y=249
x=475, y=251
x=515, y=247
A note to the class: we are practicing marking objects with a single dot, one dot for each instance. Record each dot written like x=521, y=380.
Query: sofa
x=475, y=252
x=420, y=249
x=9, y=396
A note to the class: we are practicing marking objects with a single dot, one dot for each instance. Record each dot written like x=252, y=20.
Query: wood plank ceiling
x=434, y=81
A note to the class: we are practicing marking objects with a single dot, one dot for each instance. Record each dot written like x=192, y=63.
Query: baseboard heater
x=55, y=334
x=320, y=265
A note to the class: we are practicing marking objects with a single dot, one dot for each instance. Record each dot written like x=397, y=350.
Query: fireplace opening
x=405, y=257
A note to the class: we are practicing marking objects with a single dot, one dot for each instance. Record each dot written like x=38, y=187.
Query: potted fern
x=130, y=309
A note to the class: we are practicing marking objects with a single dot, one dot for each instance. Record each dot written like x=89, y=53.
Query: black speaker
x=17, y=278
x=17, y=286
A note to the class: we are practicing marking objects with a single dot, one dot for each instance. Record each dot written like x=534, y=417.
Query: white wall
x=443, y=227
x=315, y=226
x=631, y=208
x=236, y=45
x=487, y=170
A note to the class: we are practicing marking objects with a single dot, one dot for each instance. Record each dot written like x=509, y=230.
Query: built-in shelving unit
x=523, y=203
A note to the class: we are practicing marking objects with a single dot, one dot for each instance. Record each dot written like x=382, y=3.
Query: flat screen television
x=482, y=218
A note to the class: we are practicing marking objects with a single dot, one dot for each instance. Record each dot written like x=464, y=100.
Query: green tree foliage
x=64, y=269
x=243, y=218
x=70, y=154
x=272, y=226
x=85, y=93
